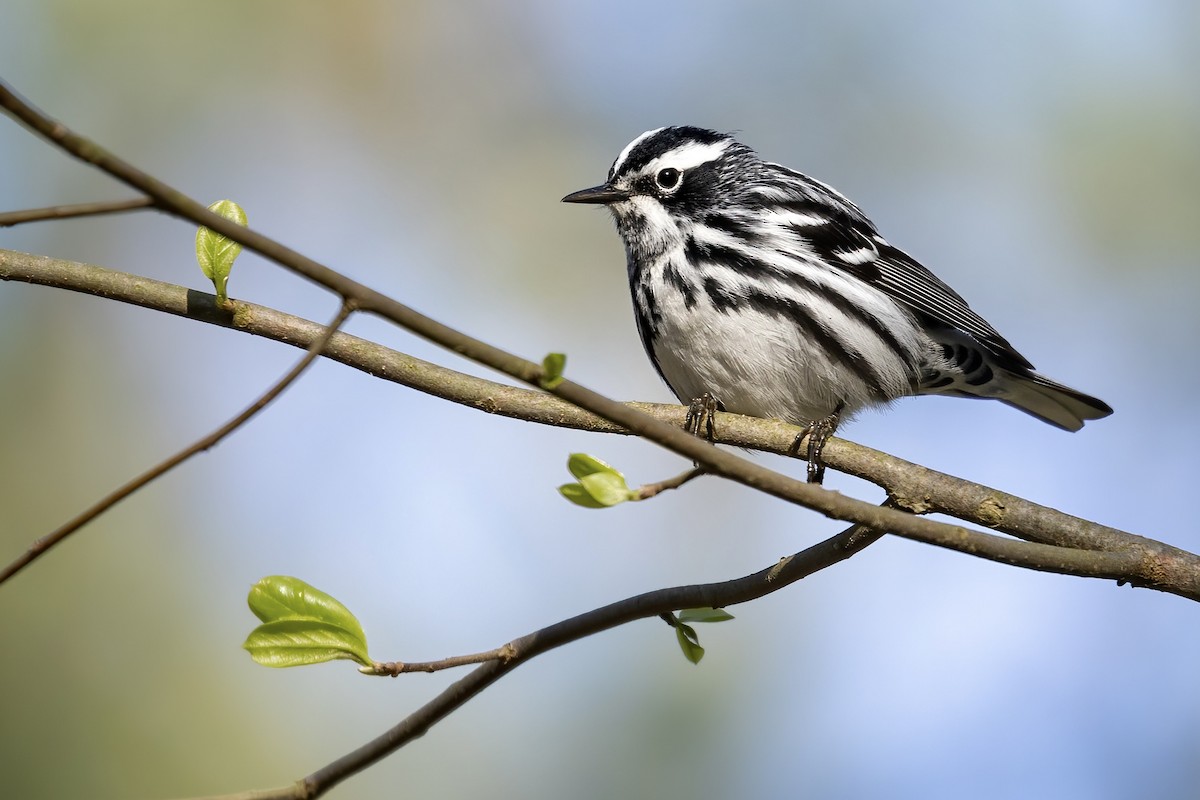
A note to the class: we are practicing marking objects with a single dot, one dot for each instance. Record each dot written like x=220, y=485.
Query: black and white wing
x=848, y=240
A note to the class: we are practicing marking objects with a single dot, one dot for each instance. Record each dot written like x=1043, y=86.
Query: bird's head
x=668, y=179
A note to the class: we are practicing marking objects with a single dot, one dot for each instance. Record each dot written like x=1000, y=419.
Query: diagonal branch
x=40, y=546
x=1116, y=565
x=519, y=651
x=913, y=487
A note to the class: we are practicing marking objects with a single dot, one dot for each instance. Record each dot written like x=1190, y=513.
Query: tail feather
x=970, y=369
x=1047, y=400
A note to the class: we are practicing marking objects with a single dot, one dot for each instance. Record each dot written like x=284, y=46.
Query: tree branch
x=42, y=545
x=1141, y=561
x=517, y=652
x=1126, y=566
x=11, y=218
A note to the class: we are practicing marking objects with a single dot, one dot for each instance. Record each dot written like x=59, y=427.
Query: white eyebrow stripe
x=616, y=167
x=689, y=155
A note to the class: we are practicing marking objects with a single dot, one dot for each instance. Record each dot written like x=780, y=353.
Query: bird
x=761, y=291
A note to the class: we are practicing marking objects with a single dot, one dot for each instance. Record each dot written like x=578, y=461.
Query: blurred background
x=1042, y=158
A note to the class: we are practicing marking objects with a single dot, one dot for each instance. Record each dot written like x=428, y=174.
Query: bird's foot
x=818, y=433
x=701, y=412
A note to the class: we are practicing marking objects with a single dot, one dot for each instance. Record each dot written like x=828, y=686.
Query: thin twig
x=643, y=606
x=650, y=489
x=40, y=546
x=10, y=218
x=395, y=668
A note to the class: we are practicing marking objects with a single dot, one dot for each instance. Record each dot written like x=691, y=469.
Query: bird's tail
x=973, y=370
x=1045, y=399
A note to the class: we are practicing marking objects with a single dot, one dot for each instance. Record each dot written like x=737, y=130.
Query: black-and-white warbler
x=761, y=291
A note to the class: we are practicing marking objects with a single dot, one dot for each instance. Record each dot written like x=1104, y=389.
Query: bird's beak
x=604, y=194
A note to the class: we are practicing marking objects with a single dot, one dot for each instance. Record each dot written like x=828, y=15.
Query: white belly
x=761, y=363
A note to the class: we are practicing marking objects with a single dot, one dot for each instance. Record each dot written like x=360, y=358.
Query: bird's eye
x=667, y=178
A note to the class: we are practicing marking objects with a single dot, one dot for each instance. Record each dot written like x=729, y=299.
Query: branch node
x=896, y=498
x=778, y=568
x=991, y=511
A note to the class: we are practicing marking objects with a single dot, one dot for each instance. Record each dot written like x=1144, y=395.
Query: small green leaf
x=579, y=496
x=581, y=464
x=552, y=370
x=284, y=597
x=599, y=486
x=214, y=252
x=598, y=491
x=301, y=625
x=704, y=615
x=298, y=642
x=607, y=488
x=689, y=643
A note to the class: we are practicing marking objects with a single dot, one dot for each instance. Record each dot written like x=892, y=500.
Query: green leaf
x=579, y=496
x=704, y=615
x=214, y=252
x=581, y=464
x=297, y=642
x=607, y=488
x=552, y=370
x=284, y=597
x=599, y=486
x=689, y=643
x=301, y=625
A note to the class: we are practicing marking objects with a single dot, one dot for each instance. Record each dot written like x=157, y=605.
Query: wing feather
x=850, y=242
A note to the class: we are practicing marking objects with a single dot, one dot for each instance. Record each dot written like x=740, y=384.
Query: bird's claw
x=701, y=412
x=818, y=433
